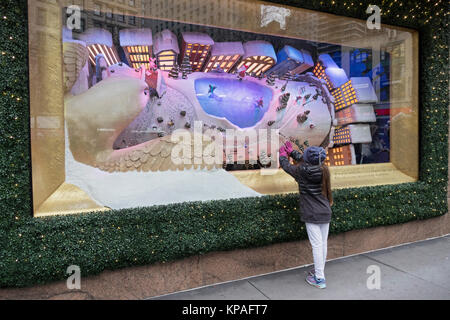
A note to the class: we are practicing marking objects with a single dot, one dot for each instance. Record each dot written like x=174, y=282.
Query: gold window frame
x=52, y=195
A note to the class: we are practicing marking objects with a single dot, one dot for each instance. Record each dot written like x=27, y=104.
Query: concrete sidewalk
x=419, y=270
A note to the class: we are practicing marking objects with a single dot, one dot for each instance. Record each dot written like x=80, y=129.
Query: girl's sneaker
x=318, y=283
x=312, y=272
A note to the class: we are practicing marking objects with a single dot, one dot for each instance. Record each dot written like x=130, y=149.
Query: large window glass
x=117, y=104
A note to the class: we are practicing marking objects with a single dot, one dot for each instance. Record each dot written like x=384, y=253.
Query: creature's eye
x=146, y=92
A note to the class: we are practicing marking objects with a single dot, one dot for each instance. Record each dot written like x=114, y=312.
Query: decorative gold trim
x=341, y=177
x=46, y=100
x=68, y=199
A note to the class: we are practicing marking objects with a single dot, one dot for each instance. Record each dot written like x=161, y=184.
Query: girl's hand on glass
x=288, y=147
x=283, y=152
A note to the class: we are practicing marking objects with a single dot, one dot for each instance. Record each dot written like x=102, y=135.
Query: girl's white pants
x=318, y=235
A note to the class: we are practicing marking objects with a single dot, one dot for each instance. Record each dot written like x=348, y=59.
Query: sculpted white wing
x=155, y=155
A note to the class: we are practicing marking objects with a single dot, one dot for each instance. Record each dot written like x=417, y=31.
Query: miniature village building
x=345, y=92
x=356, y=90
x=224, y=55
x=344, y=96
x=99, y=41
x=319, y=71
x=335, y=77
x=137, y=45
x=352, y=133
x=327, y=61
x=356, y=113
x=328, y=70
x=291, y=61
x=166, y=49
x=259, y=57
x=196, y=46
x=337, y=82
x=365, y=93
x=341, y=135
x=341, y=156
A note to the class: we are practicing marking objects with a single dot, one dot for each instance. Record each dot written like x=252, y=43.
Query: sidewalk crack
x=258, y=290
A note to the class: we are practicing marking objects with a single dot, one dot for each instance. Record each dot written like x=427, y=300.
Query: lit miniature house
x=224, y=55
x=356, y=113
x=341, y=156
x=344, y=96
x=259, y=57
x=291, y=60
x=327, y=61
x=137, y=44
x=99, y=41
x=365, y=93
x=196, y=46
x=335, y=78
x=328, y=70
x=345, y=92
x=342, y=135
x=353, y=133
x=166, y=49
x=319, y=72
x=356, y=90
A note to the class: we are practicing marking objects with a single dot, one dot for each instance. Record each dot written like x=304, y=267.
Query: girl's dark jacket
x=314, y=188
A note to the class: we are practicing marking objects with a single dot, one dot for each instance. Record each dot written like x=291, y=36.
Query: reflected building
x=167, y=14
x=111, y=15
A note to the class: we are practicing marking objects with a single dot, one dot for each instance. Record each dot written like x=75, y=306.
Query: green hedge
x=39, y=250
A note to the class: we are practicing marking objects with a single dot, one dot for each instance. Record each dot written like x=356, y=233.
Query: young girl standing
x=315, y=201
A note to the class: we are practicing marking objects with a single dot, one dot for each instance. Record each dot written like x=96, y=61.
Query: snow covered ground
x=120, y=190
x=285, y=120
